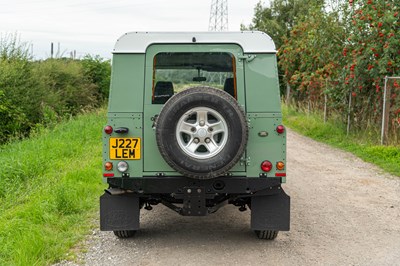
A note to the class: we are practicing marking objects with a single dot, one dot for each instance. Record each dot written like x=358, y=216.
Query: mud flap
x=271, y=212
x=119, y=212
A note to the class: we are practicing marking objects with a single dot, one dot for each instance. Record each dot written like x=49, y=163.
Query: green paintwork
x=257, y=91
x=262, y=84
x=127, y=79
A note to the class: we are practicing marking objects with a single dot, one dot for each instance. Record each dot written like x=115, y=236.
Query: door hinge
x=245, y=161
x=247, y=58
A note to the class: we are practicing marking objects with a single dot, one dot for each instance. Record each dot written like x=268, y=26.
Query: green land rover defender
x=194, y=122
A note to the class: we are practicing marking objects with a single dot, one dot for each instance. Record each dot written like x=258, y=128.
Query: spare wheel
x=202, y=132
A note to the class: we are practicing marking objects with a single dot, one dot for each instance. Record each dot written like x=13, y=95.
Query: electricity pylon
x=218, y=16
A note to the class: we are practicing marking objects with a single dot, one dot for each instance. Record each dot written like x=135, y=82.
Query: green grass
x=363, y=143
x=49, y=190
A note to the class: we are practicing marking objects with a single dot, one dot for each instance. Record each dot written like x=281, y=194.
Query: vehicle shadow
x=228, y=224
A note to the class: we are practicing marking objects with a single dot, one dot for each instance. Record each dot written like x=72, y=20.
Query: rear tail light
x=108, y=166
x=280, y=165
x=108, y=174
x=280, y=129
x=108, y=130
x=266, y=166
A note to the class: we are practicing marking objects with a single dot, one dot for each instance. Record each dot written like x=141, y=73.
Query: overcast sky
x=90, y=26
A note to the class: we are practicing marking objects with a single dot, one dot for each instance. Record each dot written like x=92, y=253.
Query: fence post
x=287, y=93
x=385, y=113
x=325, y=107
x=349, y=114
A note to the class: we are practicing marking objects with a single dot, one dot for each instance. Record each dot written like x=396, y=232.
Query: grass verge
x=49, y=188
x=334, y=134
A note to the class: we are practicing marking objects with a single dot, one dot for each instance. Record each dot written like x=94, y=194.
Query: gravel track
x=344, y=212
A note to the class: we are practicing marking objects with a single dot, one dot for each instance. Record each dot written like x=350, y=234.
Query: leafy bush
x=35, y=94
x=15, y=79
x=69, y=91
x=98, y=72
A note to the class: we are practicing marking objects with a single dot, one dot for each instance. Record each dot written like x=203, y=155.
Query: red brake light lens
x=266, y=166
x=280, y=129
x=108, y=130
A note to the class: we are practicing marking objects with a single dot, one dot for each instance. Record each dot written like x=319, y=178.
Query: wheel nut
x=202, y=123
x=193, y=129
x=210, y=129
x=196, y=140
x=208, y=140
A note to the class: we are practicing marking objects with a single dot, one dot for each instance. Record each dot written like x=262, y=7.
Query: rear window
x=175, y=72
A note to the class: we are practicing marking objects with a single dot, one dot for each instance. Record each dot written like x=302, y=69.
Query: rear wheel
x=124, y=233
x=266, y=234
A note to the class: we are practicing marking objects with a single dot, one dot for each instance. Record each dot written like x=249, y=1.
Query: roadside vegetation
x=37, y=94
x=363, y=143
x=49, y=185
x=51, y=118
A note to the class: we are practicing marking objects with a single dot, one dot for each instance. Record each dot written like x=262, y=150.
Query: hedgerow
x=34, y=94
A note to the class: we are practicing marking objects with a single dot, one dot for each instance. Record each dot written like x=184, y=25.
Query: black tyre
x=202, y=132
x=124, y=233
x=266, y=234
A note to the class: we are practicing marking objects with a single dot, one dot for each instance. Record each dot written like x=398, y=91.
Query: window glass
x=175, y=72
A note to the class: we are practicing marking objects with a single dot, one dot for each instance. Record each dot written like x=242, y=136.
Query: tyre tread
x=124, y=233
x=266, y=234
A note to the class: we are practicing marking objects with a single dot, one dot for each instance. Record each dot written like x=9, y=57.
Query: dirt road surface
x=344, y=212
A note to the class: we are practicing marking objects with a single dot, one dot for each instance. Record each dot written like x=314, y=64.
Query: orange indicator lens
x=108, y=166
x=280, y=165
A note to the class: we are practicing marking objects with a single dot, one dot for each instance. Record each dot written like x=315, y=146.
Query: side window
x=175, y=72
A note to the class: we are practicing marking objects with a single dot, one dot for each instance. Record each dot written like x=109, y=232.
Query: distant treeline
x=36, y=94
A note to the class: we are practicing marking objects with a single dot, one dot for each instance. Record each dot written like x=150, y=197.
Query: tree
x=279, y=18
x=372, y=51
x=311, y=56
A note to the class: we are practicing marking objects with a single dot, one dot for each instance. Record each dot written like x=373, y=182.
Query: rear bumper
x=176, y=185
x=270, y=206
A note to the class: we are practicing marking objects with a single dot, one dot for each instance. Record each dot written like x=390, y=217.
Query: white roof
x=250, y=41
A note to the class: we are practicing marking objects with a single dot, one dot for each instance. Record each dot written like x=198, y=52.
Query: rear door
x=171, y=68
